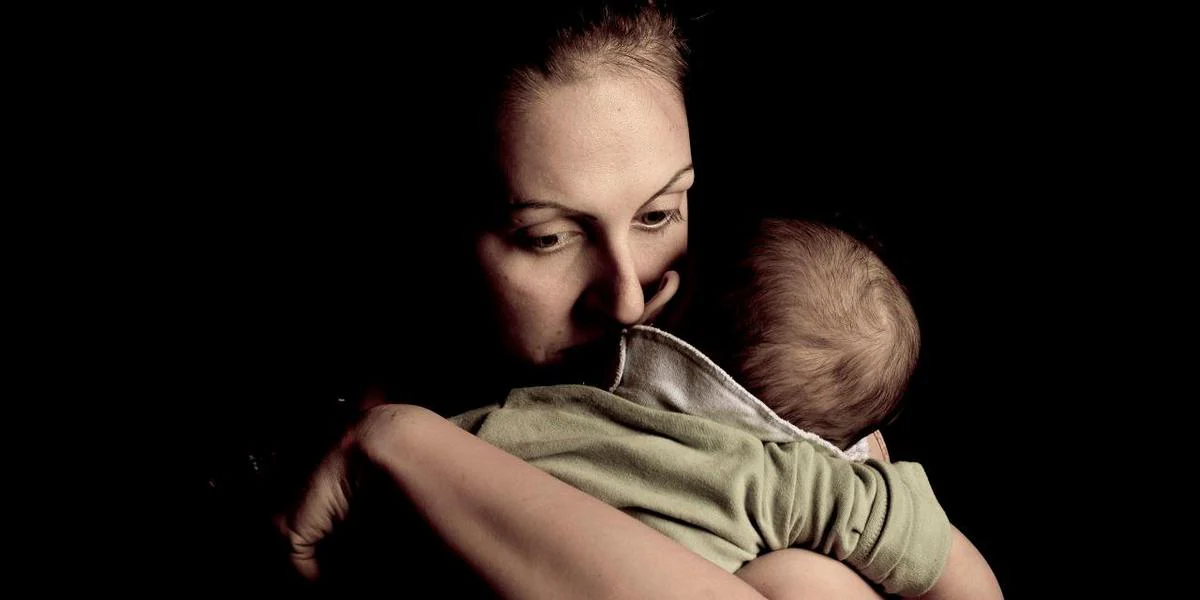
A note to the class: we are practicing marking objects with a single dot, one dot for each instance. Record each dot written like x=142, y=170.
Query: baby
x=808, y=344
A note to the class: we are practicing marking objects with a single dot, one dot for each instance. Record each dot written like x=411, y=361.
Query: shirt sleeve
x=882, y=519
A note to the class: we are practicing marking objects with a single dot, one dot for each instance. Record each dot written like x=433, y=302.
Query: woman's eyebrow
x=675, y=179
x=516, y=204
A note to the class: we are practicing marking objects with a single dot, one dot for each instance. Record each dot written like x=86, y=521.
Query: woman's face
x=598, y=173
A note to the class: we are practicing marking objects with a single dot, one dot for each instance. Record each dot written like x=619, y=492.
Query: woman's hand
x=326, y=501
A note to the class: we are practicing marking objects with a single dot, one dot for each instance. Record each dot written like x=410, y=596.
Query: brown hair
x=637, y=37
x=823, y=332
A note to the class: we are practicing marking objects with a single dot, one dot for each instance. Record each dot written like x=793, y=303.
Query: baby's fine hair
x=823, y=332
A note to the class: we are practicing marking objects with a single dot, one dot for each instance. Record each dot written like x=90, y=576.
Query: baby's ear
x=666, y=290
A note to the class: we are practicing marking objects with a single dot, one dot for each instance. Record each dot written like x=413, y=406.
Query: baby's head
x=815, y=325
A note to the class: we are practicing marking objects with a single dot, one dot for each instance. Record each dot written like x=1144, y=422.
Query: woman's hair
x=636, y=37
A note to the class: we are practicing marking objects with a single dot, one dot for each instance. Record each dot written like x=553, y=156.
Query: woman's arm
x=794, y=573
x=526, y=533
x=967, y=574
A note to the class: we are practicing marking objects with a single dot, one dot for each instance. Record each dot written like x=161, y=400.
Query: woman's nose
x=617, y=291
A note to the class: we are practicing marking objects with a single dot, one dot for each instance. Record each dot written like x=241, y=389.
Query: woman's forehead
x=596, y=140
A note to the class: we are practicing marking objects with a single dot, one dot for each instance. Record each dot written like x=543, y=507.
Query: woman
x=594, y=163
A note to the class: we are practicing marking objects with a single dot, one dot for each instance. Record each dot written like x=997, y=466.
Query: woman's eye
x=546, y=244
x=657, y=219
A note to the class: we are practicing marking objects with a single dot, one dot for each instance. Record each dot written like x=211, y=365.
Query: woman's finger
x=324, y=505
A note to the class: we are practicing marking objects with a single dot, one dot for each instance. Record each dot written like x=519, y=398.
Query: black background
x=304, y=203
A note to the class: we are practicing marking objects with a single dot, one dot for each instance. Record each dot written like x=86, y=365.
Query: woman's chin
x=592, y=363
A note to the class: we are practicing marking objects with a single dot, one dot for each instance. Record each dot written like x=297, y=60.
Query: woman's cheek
x=659, y=254
x=532, y=284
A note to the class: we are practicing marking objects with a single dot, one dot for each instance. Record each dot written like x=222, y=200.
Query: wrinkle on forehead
x=603, y=136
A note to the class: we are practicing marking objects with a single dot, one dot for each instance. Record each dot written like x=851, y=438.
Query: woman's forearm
x=796, y=574
x=528, y=534
x=967, y=574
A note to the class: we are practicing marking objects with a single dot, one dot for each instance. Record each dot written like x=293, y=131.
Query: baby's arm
x=881, y=519
x=967, y=574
